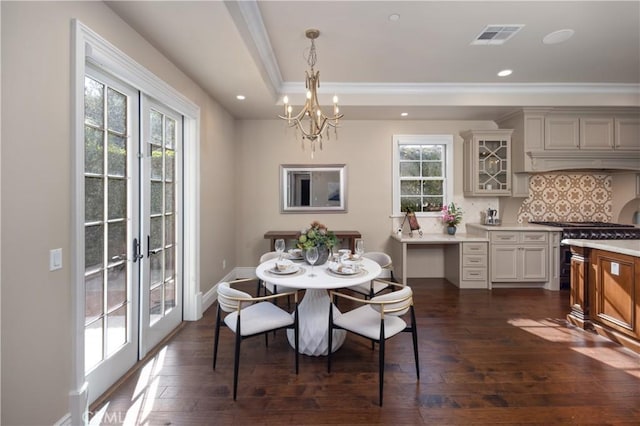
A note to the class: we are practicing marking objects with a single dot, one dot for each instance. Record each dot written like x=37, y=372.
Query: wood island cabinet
x=616, y=301
x=605, y=294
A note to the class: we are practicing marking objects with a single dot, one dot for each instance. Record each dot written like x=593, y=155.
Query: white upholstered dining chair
x=270, y=287
x=375, y=287
x=249, y=316
x=377, y=319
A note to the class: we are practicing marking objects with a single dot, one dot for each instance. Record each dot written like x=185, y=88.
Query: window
x=422, y=173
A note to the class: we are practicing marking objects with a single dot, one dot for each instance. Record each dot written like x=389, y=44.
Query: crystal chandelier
x=311, y=120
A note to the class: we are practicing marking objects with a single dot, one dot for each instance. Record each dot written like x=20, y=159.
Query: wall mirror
x=313, y=188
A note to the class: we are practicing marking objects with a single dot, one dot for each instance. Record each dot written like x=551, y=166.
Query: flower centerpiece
x=317, y=235
x=452, y=216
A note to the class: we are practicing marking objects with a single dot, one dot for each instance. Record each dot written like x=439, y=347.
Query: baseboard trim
x=239, y=272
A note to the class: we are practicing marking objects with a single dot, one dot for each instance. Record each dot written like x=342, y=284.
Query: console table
x=349, y=236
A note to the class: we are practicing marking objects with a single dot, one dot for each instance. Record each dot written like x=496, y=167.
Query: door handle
x=136, y=250
x=149, y=251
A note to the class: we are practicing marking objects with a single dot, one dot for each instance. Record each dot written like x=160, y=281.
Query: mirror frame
x=284, y=189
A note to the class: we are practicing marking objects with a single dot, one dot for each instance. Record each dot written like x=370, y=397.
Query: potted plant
x=317, y=235
x=451, y=216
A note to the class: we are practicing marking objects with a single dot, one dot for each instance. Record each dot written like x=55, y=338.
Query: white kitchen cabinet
x=519, y=256
x=487, y=163
x=627, y=133
x=474, y=265
x=561, y=132
x=596, y=133
x=575, y=132
x=551, y=139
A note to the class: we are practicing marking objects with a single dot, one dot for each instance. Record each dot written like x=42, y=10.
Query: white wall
x=36, y=189
x=366, y=148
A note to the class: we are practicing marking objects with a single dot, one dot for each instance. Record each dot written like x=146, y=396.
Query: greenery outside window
x=422, y=173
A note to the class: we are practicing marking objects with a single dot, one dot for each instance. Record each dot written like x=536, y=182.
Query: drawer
x=504, y=237
x=474, y=274
x=534, y=237
x=477, y=260
x=474, y=248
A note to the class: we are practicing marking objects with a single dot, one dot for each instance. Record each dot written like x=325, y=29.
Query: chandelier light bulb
x=285, y=100
x=335, y=99
x=308, y=94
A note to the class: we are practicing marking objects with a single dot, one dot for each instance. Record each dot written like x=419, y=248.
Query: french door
x=133, y=286
x=161, y=292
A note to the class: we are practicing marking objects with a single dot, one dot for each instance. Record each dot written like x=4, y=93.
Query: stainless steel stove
x=596, y=230
x=588, y=231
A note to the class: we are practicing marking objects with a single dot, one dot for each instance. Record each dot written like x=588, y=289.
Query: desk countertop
x=437, y=238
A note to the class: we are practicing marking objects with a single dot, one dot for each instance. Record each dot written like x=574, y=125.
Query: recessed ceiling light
x=504, y=73
x=240, y=97
x=404, y=114
x=558, y=36
x=394, y=17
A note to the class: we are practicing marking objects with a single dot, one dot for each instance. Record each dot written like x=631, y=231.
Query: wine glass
x=360, y=247
x=312, y=258
x=280, y=247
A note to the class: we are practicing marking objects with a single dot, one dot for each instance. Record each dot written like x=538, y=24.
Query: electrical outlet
x=224, y=263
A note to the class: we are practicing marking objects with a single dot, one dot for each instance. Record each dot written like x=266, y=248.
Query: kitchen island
x=605, y=288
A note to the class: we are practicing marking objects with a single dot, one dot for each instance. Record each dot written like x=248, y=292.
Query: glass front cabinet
x=487, y=162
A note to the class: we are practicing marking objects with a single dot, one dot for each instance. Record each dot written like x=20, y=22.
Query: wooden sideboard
x=349, y=237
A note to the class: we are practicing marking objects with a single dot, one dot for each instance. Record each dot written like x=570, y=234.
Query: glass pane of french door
x=161, y=291
x=111, y=280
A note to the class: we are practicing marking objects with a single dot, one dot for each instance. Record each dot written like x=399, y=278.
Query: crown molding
x=456, y=88
x=248, y=20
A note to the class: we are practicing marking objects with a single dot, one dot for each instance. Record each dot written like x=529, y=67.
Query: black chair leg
x=381, y=369
x=330, y=337
x=296, y=329
x=215, y=340
x=236, y=365
x=414, y=333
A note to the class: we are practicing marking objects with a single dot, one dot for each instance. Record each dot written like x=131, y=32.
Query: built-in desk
x=465, y=257
x=348, y=236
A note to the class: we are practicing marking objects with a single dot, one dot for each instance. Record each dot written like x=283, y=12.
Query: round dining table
x=313, y=323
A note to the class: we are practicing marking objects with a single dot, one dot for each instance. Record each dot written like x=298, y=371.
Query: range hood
x=549, y=161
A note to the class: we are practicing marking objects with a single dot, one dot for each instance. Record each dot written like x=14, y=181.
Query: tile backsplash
x=574, y=197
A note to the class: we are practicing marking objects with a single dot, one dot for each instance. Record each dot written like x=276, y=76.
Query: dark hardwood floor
x=486, y=357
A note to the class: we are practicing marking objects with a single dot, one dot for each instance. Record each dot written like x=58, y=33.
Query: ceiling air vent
x=497, y=34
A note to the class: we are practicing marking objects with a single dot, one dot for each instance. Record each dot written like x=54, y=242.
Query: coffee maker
x=491, y=218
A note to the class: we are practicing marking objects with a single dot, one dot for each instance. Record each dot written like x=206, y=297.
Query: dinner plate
x=292, y=257
x=348, y=273
x=292, y=270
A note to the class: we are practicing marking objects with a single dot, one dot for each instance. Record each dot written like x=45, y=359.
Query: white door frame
x=88, y=46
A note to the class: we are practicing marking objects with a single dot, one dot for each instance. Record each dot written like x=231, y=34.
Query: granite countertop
x=514, y=227
x=628, y=247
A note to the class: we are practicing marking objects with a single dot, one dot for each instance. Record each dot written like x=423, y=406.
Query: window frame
x=446, y=141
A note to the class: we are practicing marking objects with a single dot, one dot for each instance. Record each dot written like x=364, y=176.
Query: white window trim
x=88, y=46
x=447, y=141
